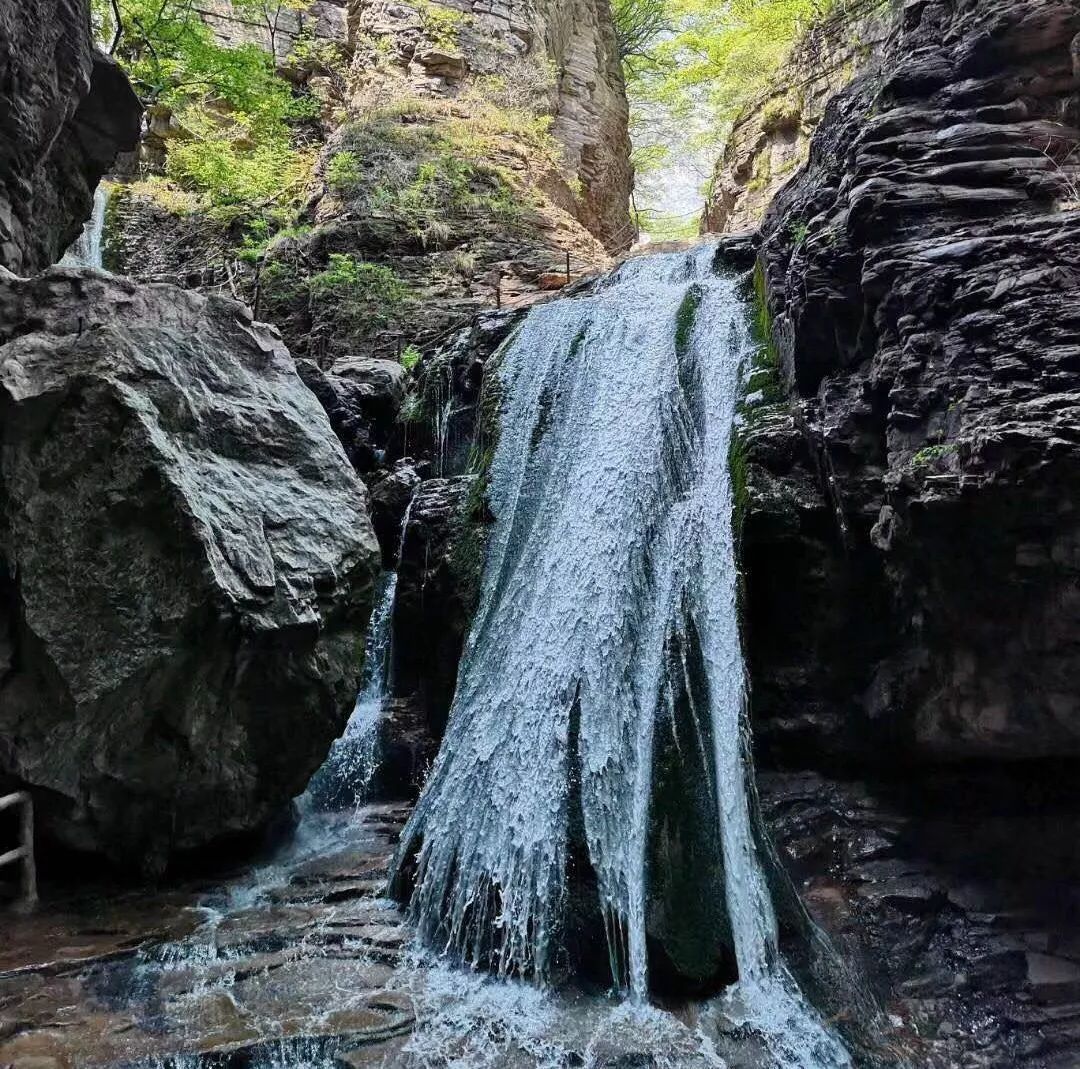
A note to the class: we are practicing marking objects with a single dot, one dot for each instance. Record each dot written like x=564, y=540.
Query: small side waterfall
x=609, y=601
x=85, y=251
x=345, y=776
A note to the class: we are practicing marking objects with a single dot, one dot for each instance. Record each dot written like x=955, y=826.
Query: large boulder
x=65, y=112
x=187, y=566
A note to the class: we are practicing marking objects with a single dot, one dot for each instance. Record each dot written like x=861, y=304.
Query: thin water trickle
x=346, y=775
x=86, y=249
x=612, y=548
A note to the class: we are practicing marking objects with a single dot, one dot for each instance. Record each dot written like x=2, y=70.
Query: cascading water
x=611, y=576
x=85, y=250
x=346, y=775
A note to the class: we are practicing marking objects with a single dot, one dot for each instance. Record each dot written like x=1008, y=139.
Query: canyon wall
x=465, y=152
x=65, y=112
x=915, y=276
x=770, y=140
x=911, y=539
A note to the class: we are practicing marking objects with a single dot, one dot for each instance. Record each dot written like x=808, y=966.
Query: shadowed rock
x=188, y=564
x=65, y=112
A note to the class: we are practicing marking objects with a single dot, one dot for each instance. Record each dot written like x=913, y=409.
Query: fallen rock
x=361, y=395
x=187, y=566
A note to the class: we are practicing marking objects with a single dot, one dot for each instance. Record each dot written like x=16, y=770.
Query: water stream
x=607, y=628
x=85, y=250
x=609, y=598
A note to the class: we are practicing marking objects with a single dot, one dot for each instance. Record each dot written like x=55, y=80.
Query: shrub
x=357, y=296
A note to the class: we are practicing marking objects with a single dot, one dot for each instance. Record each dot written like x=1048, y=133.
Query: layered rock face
x=770, y=140
x=188, y=564
x=466, y=151
x=65, y=112
x=911, y=537
x=918, y=277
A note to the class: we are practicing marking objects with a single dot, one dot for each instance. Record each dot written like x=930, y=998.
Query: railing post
x=23, y=854
x=29, y=869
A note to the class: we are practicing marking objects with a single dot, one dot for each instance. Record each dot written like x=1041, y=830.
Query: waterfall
x=609, y=597
x=346, y=774
x=85, y=250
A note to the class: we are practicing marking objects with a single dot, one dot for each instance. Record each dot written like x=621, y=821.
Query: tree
x=638, y=25
x=235, y=114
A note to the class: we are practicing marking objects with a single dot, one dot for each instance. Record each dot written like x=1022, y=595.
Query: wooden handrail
x=24, y=852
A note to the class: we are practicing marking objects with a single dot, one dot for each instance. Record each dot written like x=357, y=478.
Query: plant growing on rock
x=231, y=120
x=356, y=296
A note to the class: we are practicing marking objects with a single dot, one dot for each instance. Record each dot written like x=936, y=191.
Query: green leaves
x=232, y=115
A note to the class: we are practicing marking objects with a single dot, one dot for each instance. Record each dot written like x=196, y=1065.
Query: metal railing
x=24, y=852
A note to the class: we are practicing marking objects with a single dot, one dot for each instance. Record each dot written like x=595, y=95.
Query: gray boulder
x=187, y=566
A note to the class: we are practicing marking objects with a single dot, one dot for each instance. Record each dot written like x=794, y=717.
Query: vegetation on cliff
x=232, y=126
x=691, y=67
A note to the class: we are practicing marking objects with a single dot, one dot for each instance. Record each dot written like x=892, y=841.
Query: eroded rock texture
x=188, y=563
x=65, y=112
x=913, y=539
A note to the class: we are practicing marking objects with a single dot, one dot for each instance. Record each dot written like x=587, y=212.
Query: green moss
x=765, y=367
x=684, y=320
x=782, y=113
x=931, y=454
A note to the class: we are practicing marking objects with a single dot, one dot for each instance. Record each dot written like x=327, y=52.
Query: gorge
x=435, y=633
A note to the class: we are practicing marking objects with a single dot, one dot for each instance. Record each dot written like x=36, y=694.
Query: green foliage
x=728, y=49
x=930, y=455
x=690, y=82
x=410, y=357
x=638, y=25
x=441, y=24
x=433, y=181
x=234, y=116
x=357, y=296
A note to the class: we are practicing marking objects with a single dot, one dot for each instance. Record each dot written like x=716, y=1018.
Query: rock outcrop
x=770, y=140
x=466, y=151
x=918, y=276
x=65, y=113
x=910, y=537
x=188, y=564
x=438, y=588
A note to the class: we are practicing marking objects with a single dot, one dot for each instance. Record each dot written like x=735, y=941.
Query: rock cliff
x=910, y=540
x=770, y=140
x=916, y=275
x=465, y=151
x=65, y=112
x=187, y=566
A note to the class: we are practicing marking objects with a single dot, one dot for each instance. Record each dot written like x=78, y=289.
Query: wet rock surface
x=188, y=566
x=919, y=275
x=289, y=961
x=931, y=885
x=65, y=112
x=438, y=585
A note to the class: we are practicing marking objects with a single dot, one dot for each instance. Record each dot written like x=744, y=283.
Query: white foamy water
x=85, y=250
x=612, y=553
